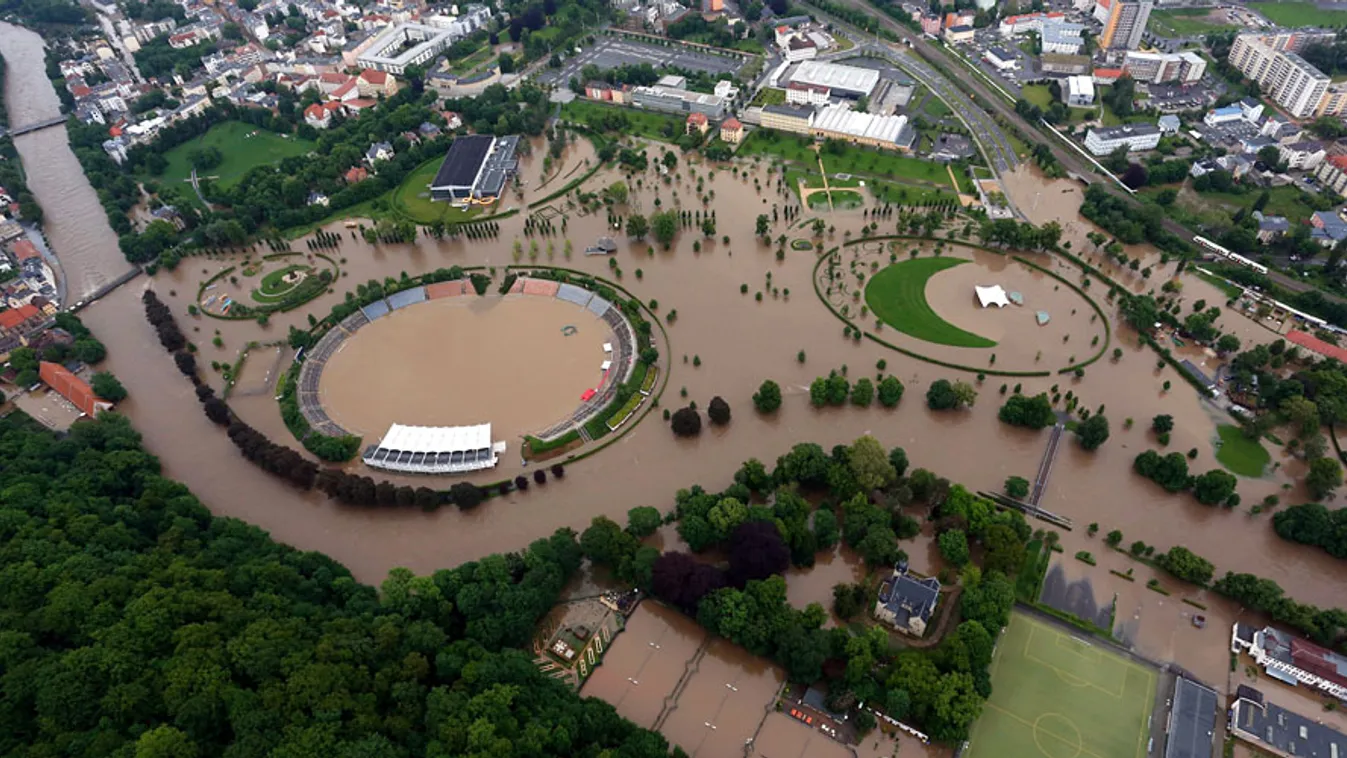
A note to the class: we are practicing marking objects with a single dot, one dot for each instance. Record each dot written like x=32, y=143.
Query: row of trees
x=835, y=389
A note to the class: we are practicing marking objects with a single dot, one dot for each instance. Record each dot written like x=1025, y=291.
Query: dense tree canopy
x=138, y=624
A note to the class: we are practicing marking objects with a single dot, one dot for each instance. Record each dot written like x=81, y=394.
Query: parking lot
x=613, y=52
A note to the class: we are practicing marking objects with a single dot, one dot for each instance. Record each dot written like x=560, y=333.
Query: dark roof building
x=1279, y=731
x=1192, y=721
x=475, y=169
x=907, y=602
x=951, y=147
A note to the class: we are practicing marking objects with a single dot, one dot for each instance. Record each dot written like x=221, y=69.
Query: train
x=1233, y=257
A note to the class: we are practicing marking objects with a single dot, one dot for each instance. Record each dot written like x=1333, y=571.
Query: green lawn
x=1240, y=454
x=907, y=194
x=1300, y=14
x=935, y=108
x=472, y=61
x=655, y=126
x=851, y=160
x=897, y=295
x=1055, y=695
x=1038, y=94
x=1185, y=22
x=241, y=152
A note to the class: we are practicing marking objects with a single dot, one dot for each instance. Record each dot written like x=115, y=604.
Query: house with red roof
x=18, y=321
x=72, y=388
x=732, y=131
x=317, y=116
x=357, y=174
x=697, y=122
x=373, y=83
x=24, y=250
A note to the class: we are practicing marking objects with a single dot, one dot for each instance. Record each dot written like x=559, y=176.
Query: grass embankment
x=239, y=152
x=1186, y=22
x=1240, y=454
x=897, y=295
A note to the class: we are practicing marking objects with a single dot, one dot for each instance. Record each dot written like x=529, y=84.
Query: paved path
x=1049, y=457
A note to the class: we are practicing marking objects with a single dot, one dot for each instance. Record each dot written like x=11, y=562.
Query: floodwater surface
x=460, y=361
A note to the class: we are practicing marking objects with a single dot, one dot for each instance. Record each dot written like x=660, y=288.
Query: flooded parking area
x=519, y=362
x=786, y=737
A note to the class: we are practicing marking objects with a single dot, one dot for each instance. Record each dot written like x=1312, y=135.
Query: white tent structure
x=435, y=449
x=993, y=295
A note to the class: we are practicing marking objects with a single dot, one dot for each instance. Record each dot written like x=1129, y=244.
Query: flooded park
x=746, y=310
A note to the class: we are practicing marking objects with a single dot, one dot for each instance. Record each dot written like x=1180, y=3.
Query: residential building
x=1302, y=156
x=1273, y=729
x=1061, y=38
x=1135, y=137
x=1105, y=76
x=372, y=83
x=732, y=131
x=807, y=94
x=787, y=118
x=1169, y=124
x=1332, y=173
x=404, y=45
x=1271, y=227
x=1078, y=91
x=609, y=93
x=840, y=122
x=1125, y=24
x=713, y=6
x=959, y=18
x=906, y=602
x=1334, y=101
x=1013, y=26
x=1328, y=230
x=356, y=174
x=1285, y=77
x=72, y=388
x=799, y=48
x=379, y=151
x=697, y=122
x=18, y=322
x=956, y=34
x=675, y=100
x=316, y=116
x=1223, y=115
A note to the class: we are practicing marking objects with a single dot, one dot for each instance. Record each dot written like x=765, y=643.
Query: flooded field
x=647, y=663
x=510, y=361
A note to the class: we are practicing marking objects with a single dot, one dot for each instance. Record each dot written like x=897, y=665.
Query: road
x=1070, y=160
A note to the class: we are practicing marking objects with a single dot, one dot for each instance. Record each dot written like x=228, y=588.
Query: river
x=739, y=341
x=75, y=225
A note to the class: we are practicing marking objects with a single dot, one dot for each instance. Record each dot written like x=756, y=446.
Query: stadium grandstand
x=435, y=449
x=1292, y=660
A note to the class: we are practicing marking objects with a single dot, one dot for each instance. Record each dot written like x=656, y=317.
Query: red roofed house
x=331, y=80
x=346, y=92
x=732, y=131
x=356, y=174
x=1107, y=75
x=374, y=83
x=72, y=388
x=699, y=122
x=317, y=116
x=24, y=250
x=16, y=321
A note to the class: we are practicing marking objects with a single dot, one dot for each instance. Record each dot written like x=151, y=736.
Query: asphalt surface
x=610, y=52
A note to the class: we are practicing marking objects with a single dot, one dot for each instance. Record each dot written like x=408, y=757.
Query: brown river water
x=740, y=342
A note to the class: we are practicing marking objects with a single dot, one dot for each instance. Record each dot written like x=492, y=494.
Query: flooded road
x=76, y=226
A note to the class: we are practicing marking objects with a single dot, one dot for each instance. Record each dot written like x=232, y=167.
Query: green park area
x=1216, y=208
x=1185, y=22
x=1038, y=94
x=769, y=96
x=1057, y=696
x=655, y=126
x=846, y=160
x=1297, y=14
x=1240, y=454
x=241, y=147
x=897, y=295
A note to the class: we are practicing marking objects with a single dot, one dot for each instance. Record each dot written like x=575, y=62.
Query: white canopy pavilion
x=435, y=449
x=993, y=295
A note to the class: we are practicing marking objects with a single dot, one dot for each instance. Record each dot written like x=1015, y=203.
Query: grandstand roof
x=837, y=77
x=436, y=439
x=1314, y=344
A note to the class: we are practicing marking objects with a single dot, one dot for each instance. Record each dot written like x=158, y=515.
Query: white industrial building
x=1134, y=137
x=840, y=122
x=1061, y=38
x=843, y=81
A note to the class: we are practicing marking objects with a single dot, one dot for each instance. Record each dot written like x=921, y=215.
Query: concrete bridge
x=37, y=126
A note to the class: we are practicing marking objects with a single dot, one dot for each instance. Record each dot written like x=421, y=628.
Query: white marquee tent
x=993, y=295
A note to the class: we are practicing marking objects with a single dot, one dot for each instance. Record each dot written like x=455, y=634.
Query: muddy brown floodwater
x=76, y=225
x=739, y=340
x=467, y=360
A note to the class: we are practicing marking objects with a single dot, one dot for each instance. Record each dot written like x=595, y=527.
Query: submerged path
x=1045, y=467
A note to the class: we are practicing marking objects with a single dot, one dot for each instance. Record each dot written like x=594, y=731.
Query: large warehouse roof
x=837, y=77
x=463, y=161
x=843, y=120
x=1192, y=720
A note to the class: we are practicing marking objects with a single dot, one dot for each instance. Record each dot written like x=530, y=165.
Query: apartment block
x=1125, y=24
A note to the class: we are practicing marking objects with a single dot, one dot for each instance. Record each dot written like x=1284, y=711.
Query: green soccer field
x=1057, y=696
x=897, y=295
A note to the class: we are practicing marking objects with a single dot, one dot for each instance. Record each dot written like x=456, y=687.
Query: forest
x=136, y=624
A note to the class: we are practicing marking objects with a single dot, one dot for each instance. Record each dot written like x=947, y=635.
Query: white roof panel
x=436, y=439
